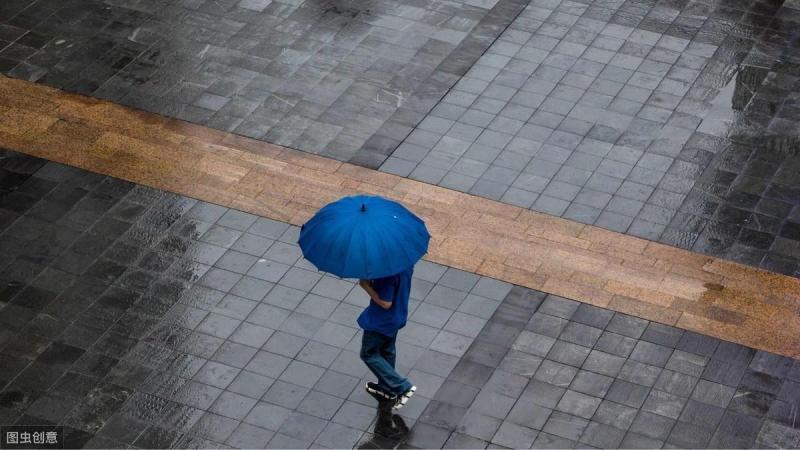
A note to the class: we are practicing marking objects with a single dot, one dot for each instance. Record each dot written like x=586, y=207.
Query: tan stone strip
x=623, y=273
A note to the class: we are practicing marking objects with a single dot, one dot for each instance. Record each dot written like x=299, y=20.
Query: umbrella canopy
x=364, y=237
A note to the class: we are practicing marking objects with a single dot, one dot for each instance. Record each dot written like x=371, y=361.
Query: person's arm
x=373, y=294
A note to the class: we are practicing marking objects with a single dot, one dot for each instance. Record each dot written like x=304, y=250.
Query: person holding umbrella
x=377, y=241
x=381, y=320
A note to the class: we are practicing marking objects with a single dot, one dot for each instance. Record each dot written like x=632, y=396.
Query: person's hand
x=382, y=303
x=367, y=286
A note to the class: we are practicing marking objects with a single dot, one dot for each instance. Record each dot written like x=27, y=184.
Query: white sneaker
x=403, y=398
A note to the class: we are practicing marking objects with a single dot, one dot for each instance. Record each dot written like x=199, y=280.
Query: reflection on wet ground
x=139, y=318
x=674, y=121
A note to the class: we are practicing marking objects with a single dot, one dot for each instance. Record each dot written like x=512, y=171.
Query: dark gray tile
x=581, y=334
x=478, y=425
x=736, y=430
x=603, y=363
x=639, y=373
x=653, y=354
x=615, y=414
x=578, y=404
x=602, y=436
x=687, y=435
x=652, y=425
x=627, y=393
x=565, y=426
x=591, y=383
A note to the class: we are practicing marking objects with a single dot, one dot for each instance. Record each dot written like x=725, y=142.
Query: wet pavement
x=675, y=121
x=140, y=318
x=329, y=77
x=671, y=121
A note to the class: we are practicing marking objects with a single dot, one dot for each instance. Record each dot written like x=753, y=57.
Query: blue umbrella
x=364, y=237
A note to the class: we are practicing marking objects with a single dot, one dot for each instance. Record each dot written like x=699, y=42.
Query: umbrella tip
x=363, y=207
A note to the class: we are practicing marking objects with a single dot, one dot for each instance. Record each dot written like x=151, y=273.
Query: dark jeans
x=378, y=353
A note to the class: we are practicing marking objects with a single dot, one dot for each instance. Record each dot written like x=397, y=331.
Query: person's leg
x=388, y=378
x=389, y=350
x=389, y=353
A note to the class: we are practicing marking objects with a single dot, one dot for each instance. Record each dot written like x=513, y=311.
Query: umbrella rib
x=342, y=235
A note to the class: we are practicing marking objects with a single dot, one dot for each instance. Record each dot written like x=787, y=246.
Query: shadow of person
x=390, y=429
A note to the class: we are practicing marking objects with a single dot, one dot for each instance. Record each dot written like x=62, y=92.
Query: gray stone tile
x=216, y=374
x=565, y=426
x=636, y=440
x=320, y=405
x=664, y=404
x=491, y=288
x=529, y=414
x=250, y=384
x=581, y=334
x=543, y=393
x=451, y=343
x=591, y=383
x=652, y=425
x=639, y=373
x=338, y=436
x=302, y=427
x=568, y=353
x=458, y=440
x=555, y=373
x=650, y=353
x=268, y=364
x=559, y=307
x=520, y=363
x=337, y=384
x=603, y=363
x=247, y=436
x=616, y=344
x=687, y=363
x=506, y=383
x=736, y=430
x=280, y=440
x=398, y=166
x=581, y=213
x=428, y=436
x=713, y=393
x=701, y=414
x=285, y=394
x=514, y=436
x=689, y=435
x=602, y=436
x=302, y=374
x=776, y=435
x=446, y=297
x=493, y=404
x=676, y=383
x=627, y=393
x=533, y=343
x=578, y=404
x=479, y=425
x=546, y=440
x=546, y=325
x=662, y=334
x=615, y=414
x=697, y=343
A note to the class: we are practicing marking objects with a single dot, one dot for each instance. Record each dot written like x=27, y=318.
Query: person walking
x=376, y=241
x=381, y=320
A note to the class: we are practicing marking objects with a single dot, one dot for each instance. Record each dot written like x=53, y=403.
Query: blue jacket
x=397, y=289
